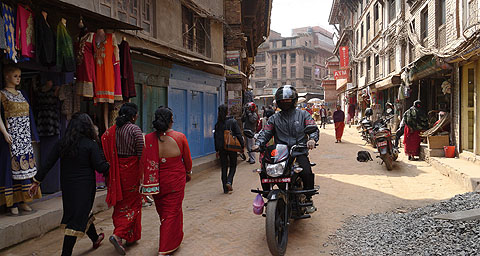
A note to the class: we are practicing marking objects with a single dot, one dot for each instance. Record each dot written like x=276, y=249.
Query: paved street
x=219, y=224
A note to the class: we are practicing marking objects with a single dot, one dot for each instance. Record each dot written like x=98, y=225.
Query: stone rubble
x=412, y=233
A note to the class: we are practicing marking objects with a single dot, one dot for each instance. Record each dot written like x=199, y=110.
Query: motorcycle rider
x=287, y=128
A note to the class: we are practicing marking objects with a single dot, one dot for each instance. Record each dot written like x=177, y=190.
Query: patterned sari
x=123, y=190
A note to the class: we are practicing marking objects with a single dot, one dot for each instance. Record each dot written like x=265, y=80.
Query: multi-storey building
x=298, y=60
x=403, y=50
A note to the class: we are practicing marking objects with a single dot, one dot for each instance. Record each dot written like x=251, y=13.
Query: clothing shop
x=70, y=60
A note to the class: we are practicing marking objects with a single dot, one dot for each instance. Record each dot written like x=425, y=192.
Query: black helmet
x=286, y=92
x=368, y=112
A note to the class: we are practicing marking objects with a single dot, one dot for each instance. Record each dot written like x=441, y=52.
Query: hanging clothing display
x=128, y=82
x=25, y=36
x=48, y=116
x=85, y=66
x=9, y=18
x=104, y=69
x=44, y=42
x=3, y=40
x=70, y=100
x=65, y=55
x=116, y=70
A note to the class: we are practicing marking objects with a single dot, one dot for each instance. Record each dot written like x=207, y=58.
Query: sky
x=288, y=14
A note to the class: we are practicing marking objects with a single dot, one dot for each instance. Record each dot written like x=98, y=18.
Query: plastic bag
x=258, y=204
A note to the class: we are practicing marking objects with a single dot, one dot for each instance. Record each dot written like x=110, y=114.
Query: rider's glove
x=311, y=144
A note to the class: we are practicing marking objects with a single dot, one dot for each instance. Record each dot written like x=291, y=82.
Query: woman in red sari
x=415, y=121
x=123, y=145
x=166, y=164
x=339, y=120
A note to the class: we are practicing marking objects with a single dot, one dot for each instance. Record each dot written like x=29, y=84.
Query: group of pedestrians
x=159, y=167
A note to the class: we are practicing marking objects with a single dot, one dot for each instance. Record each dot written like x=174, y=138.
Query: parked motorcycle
x=286, y=198
x=384, y=141
x=366, y=126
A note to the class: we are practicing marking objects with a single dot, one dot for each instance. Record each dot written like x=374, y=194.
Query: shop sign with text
x=344, y=57
x=341, y=74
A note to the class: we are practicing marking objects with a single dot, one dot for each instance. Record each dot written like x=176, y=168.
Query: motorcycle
x=383, y=140
x=367, y=130
x=286, y=198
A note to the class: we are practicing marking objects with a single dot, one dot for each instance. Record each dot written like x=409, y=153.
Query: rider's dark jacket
x=287, y=128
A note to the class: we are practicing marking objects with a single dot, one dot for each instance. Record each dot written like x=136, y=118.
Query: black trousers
x=228, y=159
x=324, y=121
x=307, y=175
x=69, y=241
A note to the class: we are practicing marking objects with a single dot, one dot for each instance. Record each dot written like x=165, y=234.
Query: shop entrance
x=470, y=90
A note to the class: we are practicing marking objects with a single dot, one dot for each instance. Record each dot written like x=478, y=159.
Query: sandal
x=101, y=236
x=118, y=245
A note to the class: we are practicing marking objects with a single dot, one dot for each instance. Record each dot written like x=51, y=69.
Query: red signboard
x=341, y=74
x=344, y=57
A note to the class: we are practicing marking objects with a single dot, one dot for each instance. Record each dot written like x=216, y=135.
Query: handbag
x=230, y=142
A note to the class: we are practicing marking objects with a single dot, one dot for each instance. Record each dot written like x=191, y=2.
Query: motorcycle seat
x=312, y=164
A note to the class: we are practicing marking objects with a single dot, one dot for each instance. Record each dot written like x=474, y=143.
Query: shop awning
x=388, y=82
x=70, y=8
x=197, y=60
x=427, y=66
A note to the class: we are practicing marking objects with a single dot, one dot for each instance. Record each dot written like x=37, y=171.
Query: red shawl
x=149, y=166
x=109, y=144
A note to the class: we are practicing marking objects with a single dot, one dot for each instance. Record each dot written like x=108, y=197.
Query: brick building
x=299, y=60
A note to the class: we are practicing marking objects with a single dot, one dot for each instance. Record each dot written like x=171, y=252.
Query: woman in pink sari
x=166, y=164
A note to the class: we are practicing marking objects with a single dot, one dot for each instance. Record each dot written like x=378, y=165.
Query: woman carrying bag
x=228, y=141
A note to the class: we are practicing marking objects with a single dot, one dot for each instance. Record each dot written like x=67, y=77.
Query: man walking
x=339, y=120
x=250, y=120
x=323, y=116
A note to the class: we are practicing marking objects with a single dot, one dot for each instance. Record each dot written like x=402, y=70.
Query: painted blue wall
x=194, y=96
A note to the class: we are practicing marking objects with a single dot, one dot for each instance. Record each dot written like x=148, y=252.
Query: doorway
x=469, y=108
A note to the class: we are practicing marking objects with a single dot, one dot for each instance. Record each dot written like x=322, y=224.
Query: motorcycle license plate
x=276, y=180
x=382, y=143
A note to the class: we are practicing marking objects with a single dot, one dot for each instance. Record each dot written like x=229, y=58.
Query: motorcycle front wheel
x=276, y=227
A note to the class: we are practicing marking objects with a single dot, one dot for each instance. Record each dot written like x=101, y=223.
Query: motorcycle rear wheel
x=387, y=159
x=276, y=227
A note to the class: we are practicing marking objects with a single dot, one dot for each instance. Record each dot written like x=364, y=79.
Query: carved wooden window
x=147, y=15
x=196, y=32
x=187, y=28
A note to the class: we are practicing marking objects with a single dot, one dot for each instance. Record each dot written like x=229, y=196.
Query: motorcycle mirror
x=249, y=134
x=310, y=129
x=389, y=111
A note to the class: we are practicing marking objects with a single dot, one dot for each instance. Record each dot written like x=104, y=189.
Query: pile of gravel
x=412, y=233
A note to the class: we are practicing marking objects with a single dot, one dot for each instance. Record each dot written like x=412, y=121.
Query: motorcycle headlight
x=275, y=170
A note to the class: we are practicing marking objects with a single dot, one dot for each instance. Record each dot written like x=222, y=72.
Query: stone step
x=462, y=172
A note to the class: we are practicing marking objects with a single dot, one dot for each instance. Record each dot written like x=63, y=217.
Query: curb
x=459, y=177
x=47, y=216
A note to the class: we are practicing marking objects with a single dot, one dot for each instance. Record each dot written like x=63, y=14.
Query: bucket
x=449, y=151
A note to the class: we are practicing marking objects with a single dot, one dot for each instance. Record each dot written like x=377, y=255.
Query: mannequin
x=64, y=22
x=44, y=14
x=16, y=151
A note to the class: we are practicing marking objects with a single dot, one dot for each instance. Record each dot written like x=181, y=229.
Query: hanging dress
x=45, y=42
x=104, y=70
x=86, y=66
x=48, y=116
x=9, y=18
x=128, y=82
x=25, y=32
x=116, y=70
x=65, y=55
x=17, y=163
